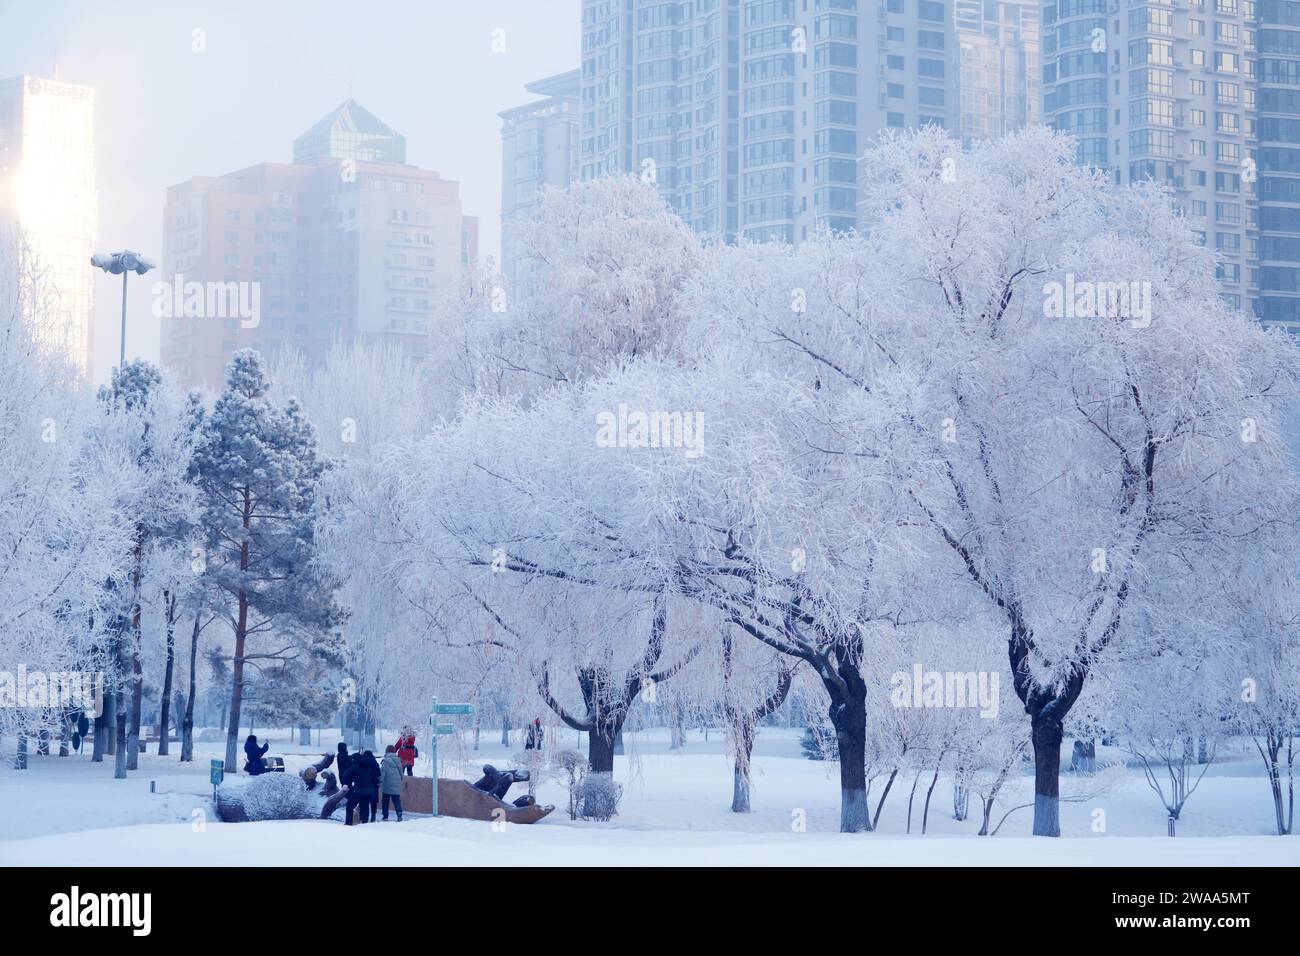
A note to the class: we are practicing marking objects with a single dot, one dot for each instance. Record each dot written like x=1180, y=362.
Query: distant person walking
x=535, y=734
x=406, y=751
x=390, y=782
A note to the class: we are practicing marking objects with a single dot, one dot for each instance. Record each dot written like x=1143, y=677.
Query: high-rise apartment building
x=539, y=148
x=1278, y=162
x=997, y=67
x=342, y=245
x=752, y=115
x=660, y=86
x=49, y=203
x=1181, y=91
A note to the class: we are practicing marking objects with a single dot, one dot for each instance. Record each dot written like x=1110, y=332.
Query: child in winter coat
x=390, y=782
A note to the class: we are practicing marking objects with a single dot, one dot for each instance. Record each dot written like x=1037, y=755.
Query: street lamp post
x=122, y=263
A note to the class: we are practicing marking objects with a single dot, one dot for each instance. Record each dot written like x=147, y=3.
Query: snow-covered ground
x=69, y=811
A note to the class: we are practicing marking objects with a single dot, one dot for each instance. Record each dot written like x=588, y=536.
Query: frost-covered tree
x=1261, y=619
x=1061, y=451
x=1056, y=454
x=153, y=430
x=60, y=528
x=364, y=397
x=607, y=259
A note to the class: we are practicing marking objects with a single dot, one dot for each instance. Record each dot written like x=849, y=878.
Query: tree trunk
x=64, y=733
x=43, y=742
x=889, y=784
x=187, y=723
x=848, y=713
x=103, y=723
x=678, y=731
x=169, y=601
x=237, y=684
x=600, y=746
x=122, y=712
x=505, y=730
x=104, y=729
x=925, y=812
x=911, y=797
x=1047, y=734
x=137, y=669
x=241, y=636
x=740, y=790
x=740, y=776
x=119, y=763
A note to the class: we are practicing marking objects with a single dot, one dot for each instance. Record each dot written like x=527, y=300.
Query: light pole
x=122, y=263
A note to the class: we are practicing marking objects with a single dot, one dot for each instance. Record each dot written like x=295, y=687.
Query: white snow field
x=675, y=812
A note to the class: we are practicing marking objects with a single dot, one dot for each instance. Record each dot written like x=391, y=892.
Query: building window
x=930, y=10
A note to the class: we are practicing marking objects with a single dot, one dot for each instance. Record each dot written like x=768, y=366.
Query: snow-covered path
x=429, y=842
x=675, y=812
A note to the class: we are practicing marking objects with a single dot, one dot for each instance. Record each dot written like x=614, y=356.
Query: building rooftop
x=350, y=132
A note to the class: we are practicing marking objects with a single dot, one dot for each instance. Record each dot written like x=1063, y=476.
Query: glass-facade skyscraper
x=49, y=203
x=1278, y=160
x=753, y=115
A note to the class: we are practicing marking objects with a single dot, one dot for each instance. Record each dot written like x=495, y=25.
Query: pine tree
x=259, y=475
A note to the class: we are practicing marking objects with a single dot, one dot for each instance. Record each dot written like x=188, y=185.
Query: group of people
x=373, y=785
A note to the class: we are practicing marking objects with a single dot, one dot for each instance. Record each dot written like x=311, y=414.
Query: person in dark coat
x=343, y=760
x=365, y=777
x=348, y=777
x=535, y=733
x=254, y=765
x=498, y=783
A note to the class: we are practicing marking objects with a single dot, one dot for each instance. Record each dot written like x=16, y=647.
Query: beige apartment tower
x=348, y=242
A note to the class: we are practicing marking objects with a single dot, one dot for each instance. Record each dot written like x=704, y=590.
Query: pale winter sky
x=165, y=113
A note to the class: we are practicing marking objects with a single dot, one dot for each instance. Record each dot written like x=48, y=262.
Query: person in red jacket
x=406, y=751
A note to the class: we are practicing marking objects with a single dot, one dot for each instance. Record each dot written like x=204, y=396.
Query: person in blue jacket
x=254, y=753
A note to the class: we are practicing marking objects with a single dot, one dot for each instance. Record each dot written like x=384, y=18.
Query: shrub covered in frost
x=598, y=796
x=572, y=764
x=276, y=796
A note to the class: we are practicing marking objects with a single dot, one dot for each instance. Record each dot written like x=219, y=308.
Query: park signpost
x=437, y=729
x=216, y=773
